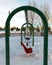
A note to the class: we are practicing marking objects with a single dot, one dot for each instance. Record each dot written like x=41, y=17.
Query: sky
x=19, y=18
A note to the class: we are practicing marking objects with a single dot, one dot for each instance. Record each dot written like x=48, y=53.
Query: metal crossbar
x=7, y=32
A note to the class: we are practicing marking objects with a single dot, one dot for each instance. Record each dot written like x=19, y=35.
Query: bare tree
x=45, y=9
x=33, y=17
x=31, y=14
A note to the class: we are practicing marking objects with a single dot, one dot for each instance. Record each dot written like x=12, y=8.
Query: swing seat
x=27, y=50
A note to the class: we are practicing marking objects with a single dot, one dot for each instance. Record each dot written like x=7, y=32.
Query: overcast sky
x=10, y=5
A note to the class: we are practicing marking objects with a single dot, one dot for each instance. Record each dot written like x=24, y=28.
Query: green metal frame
x=7, y=32
x=32, y=32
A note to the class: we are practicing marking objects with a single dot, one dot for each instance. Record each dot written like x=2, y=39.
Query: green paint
x=7, y=32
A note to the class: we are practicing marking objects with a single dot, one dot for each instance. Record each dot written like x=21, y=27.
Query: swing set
x=26, y=35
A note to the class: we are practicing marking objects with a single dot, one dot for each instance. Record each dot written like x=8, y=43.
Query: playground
x=26, y=52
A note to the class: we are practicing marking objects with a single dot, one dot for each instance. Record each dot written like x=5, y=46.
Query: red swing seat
x=27, y=50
